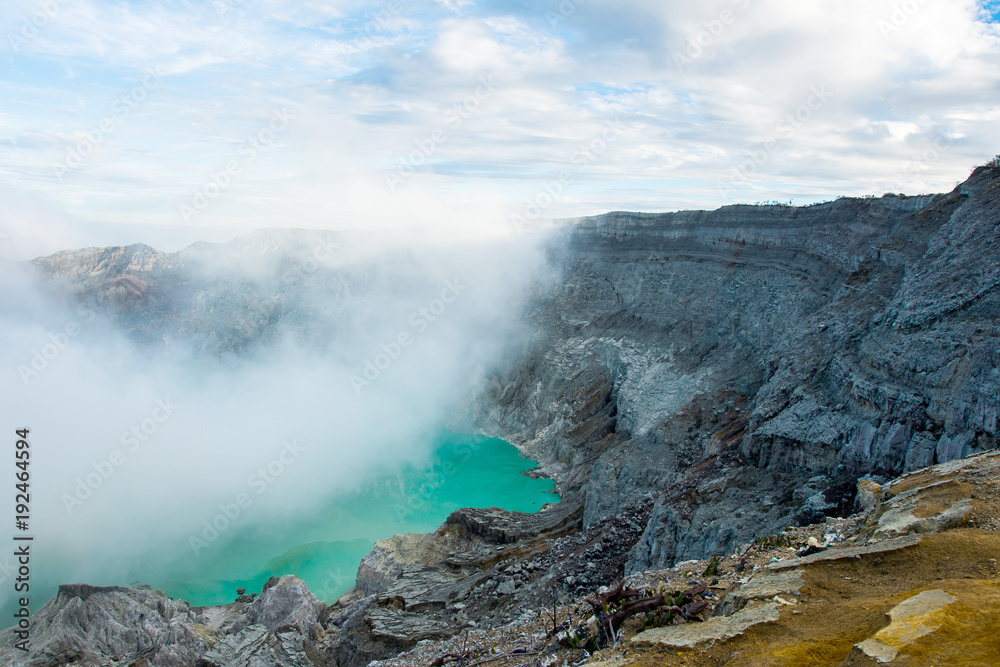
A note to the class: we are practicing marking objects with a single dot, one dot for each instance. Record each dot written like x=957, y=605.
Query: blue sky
x=169, y=121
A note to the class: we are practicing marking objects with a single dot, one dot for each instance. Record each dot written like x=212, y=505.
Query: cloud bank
x=128, y=112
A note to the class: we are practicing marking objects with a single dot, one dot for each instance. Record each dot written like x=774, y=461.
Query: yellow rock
x=911, y=619
x=206, y=633
x=715, y=629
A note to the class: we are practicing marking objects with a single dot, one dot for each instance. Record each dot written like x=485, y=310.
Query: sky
x=170, y=121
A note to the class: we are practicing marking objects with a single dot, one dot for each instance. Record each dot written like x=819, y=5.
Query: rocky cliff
x=744, y=367
x=699, y=379
x=692, y=381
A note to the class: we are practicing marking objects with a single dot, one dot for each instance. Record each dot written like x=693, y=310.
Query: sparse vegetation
x=771, y=541
x=660, y=607
x=555, y=605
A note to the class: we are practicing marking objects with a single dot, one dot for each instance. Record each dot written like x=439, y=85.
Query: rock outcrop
x=91, y=626
x=912, y=619
x=285, y=603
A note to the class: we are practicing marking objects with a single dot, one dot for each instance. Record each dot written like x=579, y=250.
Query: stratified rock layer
x=746, y=366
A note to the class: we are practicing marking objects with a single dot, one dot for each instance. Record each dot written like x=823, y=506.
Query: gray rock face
x=746, y=366
x=285, y=603
x=92, y=626
x=85, y=625
x=763, y=587
x=883, y=546
x=899, y=519
x=256, y=647
x=412, y=588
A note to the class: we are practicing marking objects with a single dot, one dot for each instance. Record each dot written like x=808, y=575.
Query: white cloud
x=368, y=87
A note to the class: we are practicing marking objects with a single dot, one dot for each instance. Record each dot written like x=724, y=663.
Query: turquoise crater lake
x=326, y=544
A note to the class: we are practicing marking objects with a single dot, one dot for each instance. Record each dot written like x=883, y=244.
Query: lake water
x=326, y=545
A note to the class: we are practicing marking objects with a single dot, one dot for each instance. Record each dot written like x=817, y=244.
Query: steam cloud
x=284, y=367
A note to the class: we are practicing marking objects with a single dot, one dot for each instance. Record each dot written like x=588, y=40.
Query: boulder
x=869, y=495
x=849, y=552
x=764, y=586
x=912, y=619
x=703, y=635
x=283, y=603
